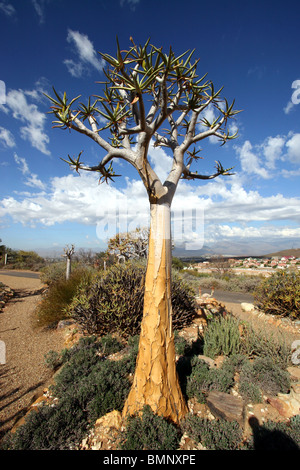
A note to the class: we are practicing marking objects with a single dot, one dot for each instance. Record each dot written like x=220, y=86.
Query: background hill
x=292, y=252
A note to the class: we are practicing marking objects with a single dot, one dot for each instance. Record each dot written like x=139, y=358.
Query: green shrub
x=291, y=429
x=222, y=337
x=182, y=346
x=263, y=343
x=87, y=387
x=280, y=294
x=54, y=272
x=216, y=434
x=275, y=435
x=59, y=295
x=250, y=391
x=263, y=374
x=114, y=302
x=149, y=432
x=202, y=379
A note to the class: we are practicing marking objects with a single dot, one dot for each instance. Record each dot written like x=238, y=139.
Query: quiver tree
x=68, y=255
x=130, y=245
x=151, y=96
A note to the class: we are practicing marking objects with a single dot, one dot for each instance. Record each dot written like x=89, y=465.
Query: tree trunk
x=68, y=269
x=155, y=381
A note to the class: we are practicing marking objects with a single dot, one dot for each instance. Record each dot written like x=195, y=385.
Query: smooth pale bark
x=155, y=381
x=68, y=268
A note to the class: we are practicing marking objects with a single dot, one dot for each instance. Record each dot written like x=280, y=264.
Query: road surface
x=221, y=296
x=28, y=274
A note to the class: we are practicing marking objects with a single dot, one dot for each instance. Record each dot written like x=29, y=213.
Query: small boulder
x=225, y=406
x=247, y=307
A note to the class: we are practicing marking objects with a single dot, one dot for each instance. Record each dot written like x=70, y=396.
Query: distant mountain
x=291, y=252
x=181, y=252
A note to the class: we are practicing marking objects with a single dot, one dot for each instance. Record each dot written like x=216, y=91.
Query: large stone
x=223, y=405
x=105, y=435
x=246, y=307
x=287, y=405
x=294, y=372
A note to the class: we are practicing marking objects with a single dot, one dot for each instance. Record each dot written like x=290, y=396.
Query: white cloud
x=7, y=8
x=29, y=114
x=80, y=199
x=272, y=149
x=132, y=3
x=288, y=108
x=75, y=69
x=31, y=179
x=161, y=162
x=6, y=137
x=21, y=162
x=266, y=159
x=210, y=115
x=39, y=6
x=293, y=146
x=250, y=161
x=86, y=54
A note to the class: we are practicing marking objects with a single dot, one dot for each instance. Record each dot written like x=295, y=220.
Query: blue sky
x=251, y=48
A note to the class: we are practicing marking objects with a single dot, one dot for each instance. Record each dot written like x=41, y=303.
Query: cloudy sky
x=251, y=48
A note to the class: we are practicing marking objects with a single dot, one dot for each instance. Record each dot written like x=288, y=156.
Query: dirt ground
x=24, y=374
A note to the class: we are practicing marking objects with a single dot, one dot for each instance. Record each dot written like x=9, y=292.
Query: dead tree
x=68, y=255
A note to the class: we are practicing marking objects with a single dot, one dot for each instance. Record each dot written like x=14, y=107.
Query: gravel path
x=24, y=374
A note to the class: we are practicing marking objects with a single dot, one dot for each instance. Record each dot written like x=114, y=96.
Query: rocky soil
x=24, y=378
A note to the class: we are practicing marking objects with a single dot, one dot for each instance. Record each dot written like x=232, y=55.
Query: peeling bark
x=155, y=381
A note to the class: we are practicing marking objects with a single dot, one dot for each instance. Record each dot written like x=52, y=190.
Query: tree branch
x=189, y=175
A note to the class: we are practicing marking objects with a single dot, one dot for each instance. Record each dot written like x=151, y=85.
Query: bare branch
x=188, y=175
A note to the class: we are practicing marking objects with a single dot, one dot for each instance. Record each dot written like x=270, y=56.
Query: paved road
x=231, y=297
x=222, y=296
x=20, y=274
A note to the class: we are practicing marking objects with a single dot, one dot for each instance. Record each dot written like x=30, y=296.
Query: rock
x=296, y=387
x=223, y=405
x=105, y=434
x=199, y=409
x=294, y=372
x=190, y=333
x=71, y=332
x=186, y=443
x=247, y=307
x=209, y=361
x=219, y=361
x=64, y=323
x=287, y=405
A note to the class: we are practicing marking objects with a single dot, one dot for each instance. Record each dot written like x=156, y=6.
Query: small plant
x=275, y=435
x=114, y=302
x=149, y=432
x=182, y=346
x=52, y=360
x=88, y=386
x=202, y=379
x=262, y=374
x=59, y=295
x=250, y=391
x=222, y=337
x=280, y=294
x=216, y=434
